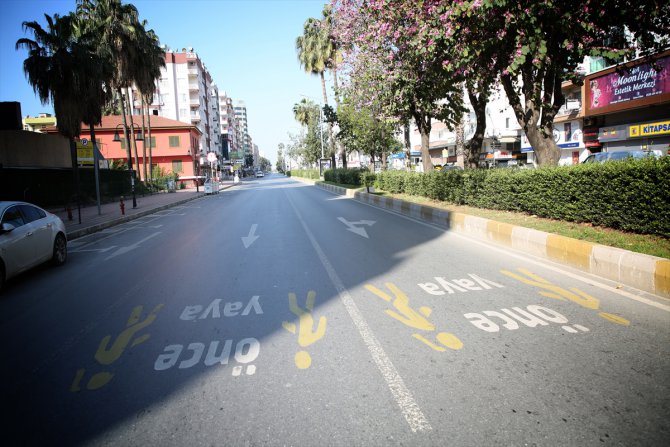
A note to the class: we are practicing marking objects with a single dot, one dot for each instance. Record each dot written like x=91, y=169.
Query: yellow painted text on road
x=307, y=334
x=553, y=291
x=415, y=319
x=106, y=354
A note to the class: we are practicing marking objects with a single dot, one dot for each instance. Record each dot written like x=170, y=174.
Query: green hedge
x=304, y=173
x=631, y=195
x=345, y=176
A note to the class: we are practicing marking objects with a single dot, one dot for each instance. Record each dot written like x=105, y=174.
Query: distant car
x=602, y=157
x=29, y=236
x=260, y=174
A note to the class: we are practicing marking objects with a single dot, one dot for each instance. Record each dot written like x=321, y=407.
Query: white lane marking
x=403, y=397
x=251, y=238
x=124, y=250
x=351, y=226
x=529, y=258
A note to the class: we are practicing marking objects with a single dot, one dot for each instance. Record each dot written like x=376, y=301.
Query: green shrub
x=305, y=173
x=631, y=195
x=350, y=176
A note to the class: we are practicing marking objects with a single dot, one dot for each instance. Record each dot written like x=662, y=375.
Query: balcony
x=193, y=71
x=194, y=102
x=193, y=86
x=195, y=117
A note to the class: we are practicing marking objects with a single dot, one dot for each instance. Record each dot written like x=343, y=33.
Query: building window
x=152, y=143
x=506, y=123
x=176, y=166
x=174, y=141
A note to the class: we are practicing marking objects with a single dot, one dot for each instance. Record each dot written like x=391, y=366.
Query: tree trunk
x=132, y=132
x=408, y=146
x=424, y=124
x=151, y=146
x=125, y=131
x=474, y=146
x=460, y=143
x=144, y=142
x=96, y=167
x=75, y=173
x=540, y=136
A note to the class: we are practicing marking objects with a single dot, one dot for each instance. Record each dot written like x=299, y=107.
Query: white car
x=29, y=236
x=259, y=174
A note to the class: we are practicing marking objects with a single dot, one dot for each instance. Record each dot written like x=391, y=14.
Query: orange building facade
x=175, y=145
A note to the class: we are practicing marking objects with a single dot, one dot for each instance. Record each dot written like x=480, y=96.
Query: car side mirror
x=6, y=228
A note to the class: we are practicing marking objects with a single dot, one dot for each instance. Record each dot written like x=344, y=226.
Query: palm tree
x=154, y=59
x=305, y=111
x=315, y=50
x=58, y=67
x=117, y=28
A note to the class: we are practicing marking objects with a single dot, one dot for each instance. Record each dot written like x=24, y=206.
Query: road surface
x=276, y=313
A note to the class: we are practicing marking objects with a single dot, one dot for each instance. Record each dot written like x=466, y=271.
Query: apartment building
x=243, y=129
x=228, y=127
x=186, y=92
x=38, y=123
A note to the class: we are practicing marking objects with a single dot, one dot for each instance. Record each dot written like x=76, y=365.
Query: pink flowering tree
x=535, y=46
x=393, y=62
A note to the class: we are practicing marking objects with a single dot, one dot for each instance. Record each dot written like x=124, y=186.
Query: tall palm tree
x=153, y=57
x=58, y=67
x=315, y=50
x=117, y=30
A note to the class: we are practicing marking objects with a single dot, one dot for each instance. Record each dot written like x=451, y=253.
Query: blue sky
x=247, y=45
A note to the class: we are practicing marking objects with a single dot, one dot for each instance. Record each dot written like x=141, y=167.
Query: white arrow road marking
x=124, y=250
x=248, y=240
x=351, y=226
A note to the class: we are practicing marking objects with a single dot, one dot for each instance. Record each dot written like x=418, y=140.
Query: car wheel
x=60, y=250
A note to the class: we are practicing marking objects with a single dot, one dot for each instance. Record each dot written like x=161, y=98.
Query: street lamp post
x=117, y=138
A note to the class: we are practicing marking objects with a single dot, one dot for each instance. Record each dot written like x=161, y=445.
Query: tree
x=59, y=68
x=118, y=30
x=153, y=58
x=396, y=59
x=307, y=113
x=316, y=51
x=363, y=131
x=534, y=47
x=281, y=163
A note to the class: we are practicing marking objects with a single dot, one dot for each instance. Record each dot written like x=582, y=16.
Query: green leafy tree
x=363, y=131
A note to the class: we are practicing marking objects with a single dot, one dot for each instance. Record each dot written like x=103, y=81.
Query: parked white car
x=29, y=236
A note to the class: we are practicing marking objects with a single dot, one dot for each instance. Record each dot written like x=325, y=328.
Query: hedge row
x=345, y=176
x=304, y=173
x=631, y=195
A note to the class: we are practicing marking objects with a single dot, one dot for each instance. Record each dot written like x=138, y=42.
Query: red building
x=174, y=144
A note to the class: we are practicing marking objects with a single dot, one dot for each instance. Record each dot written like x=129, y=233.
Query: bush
x=350, y=176
x=631, y=195
x=367, y=179
x=305, y=173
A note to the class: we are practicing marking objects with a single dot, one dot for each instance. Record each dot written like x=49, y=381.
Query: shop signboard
x=627, y=87
x=567, y=135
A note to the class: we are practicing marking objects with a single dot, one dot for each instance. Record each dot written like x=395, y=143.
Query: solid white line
x=531, y=259
x=403, y=397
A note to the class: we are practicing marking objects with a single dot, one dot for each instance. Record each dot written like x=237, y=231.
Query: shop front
x=568, y=136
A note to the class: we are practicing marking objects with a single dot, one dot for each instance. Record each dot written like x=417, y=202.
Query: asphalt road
x=276, y=313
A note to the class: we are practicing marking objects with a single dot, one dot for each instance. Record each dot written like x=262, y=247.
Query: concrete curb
x=644, y=272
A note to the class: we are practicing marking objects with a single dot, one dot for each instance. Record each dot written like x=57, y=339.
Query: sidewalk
x=110, y=213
